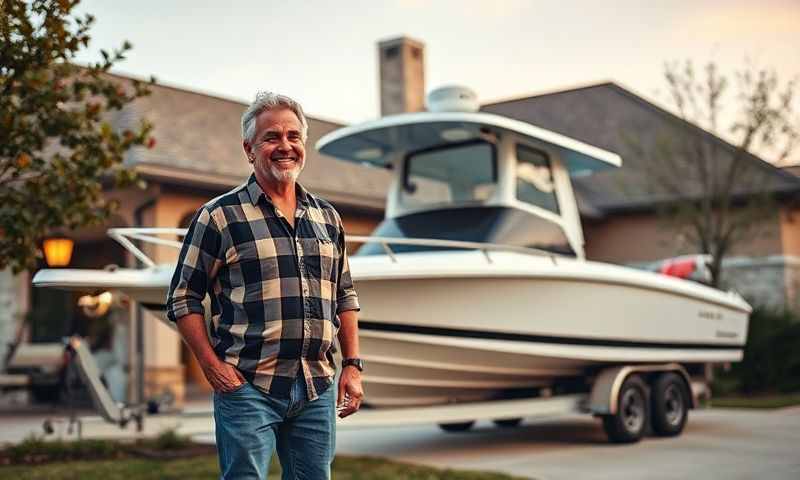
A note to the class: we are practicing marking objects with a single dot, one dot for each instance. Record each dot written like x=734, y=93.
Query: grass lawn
x=172, y=456
x=757, y=401
x=205, y=467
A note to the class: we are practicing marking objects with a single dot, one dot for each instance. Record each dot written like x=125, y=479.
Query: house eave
x=222, y=182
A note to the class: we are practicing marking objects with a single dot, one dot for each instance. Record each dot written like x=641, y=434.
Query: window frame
x=519, y=146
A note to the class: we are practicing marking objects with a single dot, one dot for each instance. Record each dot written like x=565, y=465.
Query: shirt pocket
x=328, y=259
x=328, y=251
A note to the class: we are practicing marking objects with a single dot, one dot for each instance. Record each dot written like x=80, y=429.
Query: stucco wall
x=163, y=366
x=790, y=230
x=358, y=224
x=10, y=310
x=646, y=237
x=629, y=239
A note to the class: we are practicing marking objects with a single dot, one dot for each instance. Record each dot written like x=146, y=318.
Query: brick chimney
x=402, y=75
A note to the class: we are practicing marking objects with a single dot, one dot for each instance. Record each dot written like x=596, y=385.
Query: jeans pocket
x=235, y=390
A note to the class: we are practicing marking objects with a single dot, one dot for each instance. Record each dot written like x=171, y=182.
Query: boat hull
x=494, y=328
x=456, y=327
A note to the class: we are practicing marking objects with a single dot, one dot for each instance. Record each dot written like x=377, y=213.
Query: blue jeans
x=251, y=425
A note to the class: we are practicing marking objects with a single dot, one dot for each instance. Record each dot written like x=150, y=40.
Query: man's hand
x=223, y=377
x=350, y=392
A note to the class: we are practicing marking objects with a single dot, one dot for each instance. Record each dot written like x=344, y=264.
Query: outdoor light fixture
x=57, y=251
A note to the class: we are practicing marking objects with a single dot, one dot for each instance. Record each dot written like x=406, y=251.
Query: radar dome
x=453, y=98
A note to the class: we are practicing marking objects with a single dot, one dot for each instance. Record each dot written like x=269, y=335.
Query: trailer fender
x=605, y=390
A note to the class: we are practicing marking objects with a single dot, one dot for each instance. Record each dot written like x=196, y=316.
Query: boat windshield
x=499, y=225
x=456, y=173
x=535, y=179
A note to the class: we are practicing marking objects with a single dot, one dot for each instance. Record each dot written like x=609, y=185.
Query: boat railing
x=153, y=235
x=123, y=236
x=484, y=248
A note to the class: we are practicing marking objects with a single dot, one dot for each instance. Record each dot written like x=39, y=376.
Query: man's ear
x=248, y=151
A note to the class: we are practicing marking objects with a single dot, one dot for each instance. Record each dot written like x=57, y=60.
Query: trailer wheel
x=669, y=404
x=457, y=427
x=507, y=422
x=629, y=423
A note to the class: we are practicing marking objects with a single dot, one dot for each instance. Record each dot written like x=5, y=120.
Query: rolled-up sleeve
x=198, y=263
x=346, y=297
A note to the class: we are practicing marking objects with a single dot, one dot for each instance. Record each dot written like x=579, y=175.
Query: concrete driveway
x=717, y=444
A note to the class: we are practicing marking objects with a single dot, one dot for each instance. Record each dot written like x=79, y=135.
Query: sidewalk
x=20, y=421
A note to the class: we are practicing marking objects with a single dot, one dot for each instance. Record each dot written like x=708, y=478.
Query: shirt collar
x=255, y=191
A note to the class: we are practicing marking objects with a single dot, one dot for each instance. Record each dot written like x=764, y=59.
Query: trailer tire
x=628, y=425
x=669, y=405
x=508, y=422
x=457, y=426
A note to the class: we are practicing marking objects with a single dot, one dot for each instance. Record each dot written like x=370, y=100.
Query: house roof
x=198, y=142
x=609, y=116
x=792, y=169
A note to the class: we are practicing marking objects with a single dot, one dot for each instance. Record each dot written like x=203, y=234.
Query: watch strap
x=356, y=362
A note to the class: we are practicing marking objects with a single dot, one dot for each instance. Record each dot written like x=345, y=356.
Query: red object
x=678, y=268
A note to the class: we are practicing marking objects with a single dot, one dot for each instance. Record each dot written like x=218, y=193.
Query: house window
x=535, y=183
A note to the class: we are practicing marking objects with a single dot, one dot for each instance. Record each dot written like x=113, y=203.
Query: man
x=272, y=258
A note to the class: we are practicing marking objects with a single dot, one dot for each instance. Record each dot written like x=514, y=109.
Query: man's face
x=277, y=152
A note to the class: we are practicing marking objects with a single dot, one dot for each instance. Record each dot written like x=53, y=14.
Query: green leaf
x=46, y=104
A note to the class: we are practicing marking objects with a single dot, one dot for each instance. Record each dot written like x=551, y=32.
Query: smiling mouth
x=284, y=159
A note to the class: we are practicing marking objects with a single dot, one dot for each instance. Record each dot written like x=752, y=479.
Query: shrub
x=170, y=440
x=36, y=450
x=771, y=360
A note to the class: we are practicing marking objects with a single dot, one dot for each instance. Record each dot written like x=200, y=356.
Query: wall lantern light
x=57, y=251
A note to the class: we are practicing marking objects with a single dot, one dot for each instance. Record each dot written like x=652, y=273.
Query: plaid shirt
x=275, y=291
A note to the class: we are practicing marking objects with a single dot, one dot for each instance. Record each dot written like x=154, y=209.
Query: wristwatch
x=356, y=362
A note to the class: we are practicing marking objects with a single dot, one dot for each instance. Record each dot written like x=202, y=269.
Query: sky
x=324, y=54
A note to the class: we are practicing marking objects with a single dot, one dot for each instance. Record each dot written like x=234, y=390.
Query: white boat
x=476, y=287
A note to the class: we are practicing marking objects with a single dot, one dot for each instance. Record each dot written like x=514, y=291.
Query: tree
x=717, y=194
x=58, y=149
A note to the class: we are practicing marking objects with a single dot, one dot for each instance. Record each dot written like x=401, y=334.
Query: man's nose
x=284, y=144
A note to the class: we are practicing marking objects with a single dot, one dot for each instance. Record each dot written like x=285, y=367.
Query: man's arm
x=222, y=376
x=198, y=262
x=350, y=391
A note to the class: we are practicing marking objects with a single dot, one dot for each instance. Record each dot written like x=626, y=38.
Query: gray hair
x=270, y=101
